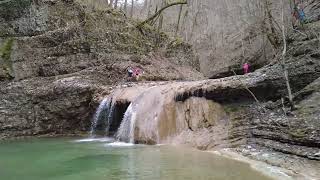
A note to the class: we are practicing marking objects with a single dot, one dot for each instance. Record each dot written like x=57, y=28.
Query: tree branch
x=251, y=93
x=147, y=21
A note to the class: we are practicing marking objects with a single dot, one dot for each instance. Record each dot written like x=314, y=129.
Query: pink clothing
x=137, y=72
x=246, y=68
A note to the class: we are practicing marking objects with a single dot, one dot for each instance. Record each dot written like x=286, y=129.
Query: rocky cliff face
x=55, y=54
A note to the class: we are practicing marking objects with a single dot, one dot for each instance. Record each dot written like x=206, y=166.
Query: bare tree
x=270, y=26
x=163, y=4
x=116, y=4
x=149, y=8
x=111, y=3
x=132, y=6
x=179, y=18
x=283, y=61
x=145, y=6
x=158, y=12
x=125, y=6
x=146, y=2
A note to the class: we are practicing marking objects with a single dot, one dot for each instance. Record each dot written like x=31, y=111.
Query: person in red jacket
x=137, y=72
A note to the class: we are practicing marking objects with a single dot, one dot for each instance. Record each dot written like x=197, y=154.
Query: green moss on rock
x=5, y=54
x=297, y=133
x=232, y=108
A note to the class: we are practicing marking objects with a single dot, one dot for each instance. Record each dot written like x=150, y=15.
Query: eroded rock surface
x=55, y=55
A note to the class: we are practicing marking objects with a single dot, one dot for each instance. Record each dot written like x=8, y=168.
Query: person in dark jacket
x=130, y=72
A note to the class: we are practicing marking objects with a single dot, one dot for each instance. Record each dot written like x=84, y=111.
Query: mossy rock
x=5, y=55
x=298, y=133
x=232, y=108
x=12, y=9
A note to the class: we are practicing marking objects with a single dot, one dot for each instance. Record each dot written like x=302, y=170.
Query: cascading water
x=110, y=112
x=141, y=121
x=141, y=118
x=157, y=115
x=103, y=115
x=126, y=129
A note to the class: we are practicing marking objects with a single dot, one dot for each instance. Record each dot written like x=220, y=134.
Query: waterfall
x=103, y=115
x=126, y=129
x=109, y=116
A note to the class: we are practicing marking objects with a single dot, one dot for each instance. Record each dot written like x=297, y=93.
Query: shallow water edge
x=269, y=170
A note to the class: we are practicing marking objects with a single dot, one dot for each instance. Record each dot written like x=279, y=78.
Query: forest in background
x=225, y=34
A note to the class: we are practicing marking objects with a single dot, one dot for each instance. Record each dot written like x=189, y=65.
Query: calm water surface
x=68, y=159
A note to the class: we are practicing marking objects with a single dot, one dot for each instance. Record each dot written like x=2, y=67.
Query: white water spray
x=103, y=113
x=126, y=129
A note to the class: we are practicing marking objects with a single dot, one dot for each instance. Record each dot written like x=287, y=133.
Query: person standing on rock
x=130, y=72
x=134, y=73
x=137, y=73
x=246, y=68
x=301, y=13
x=298, y=14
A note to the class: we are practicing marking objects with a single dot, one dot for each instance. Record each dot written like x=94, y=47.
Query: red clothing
x=137, y=72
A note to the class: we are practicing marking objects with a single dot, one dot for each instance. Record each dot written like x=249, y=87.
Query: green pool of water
x=67, y=159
